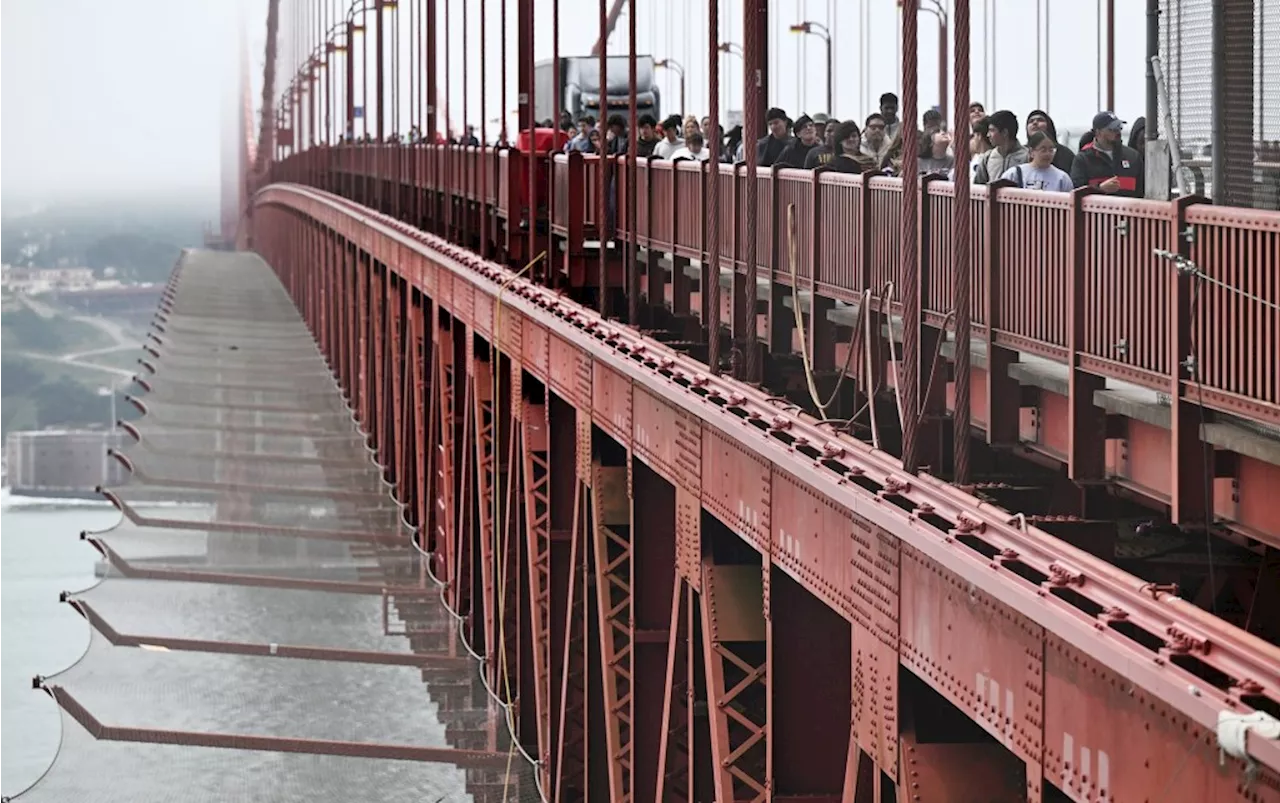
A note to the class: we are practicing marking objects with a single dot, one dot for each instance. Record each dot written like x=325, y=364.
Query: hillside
x=57, y=369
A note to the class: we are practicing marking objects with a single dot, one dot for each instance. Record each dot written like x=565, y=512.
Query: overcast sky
x=128, y=98
x=117, y=98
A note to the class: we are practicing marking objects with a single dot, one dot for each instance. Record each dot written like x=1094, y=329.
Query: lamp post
x=735, y=49
x=823, y=33
x=672, y=64
x=937, y=9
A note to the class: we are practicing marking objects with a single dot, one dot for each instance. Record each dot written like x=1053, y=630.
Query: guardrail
x=1035, y=256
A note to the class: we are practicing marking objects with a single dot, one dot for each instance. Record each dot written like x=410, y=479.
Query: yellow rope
x=795, y=308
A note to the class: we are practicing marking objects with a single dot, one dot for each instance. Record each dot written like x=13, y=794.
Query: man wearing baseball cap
x=1106, y=163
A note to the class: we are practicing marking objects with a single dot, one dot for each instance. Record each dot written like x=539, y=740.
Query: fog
x=118, y=100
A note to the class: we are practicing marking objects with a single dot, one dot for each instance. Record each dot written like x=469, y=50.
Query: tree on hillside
x=134, y=256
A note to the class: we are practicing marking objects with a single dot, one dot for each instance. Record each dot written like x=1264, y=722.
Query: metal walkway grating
x=271, y=632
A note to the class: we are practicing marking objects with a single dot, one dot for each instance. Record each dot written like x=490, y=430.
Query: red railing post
x=1190, y=460
x=932, y=389
x=574, y=263
x=655, y=275
x=1086, y=422
x=781, y=322
x=822, y=332
x=1003, y=391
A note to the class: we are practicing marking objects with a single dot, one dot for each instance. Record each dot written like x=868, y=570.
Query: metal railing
x=1035, y=255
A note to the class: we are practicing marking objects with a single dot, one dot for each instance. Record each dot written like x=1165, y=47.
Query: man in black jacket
x=1039, y=120
x=769, y=148
x=1106, y=164
x=805, y=140
x=616, y=136
x=648, y=135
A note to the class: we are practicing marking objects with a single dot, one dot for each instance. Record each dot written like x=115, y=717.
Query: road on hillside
x=120, y=335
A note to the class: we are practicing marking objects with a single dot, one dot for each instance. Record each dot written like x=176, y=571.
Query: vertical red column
x=961, y=231
x=528, y=121
x=711, y=265
x=909, y=257
x=602, y=176
x=378, y=68
x=755, y=87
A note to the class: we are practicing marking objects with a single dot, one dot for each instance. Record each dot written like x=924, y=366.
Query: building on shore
x=34, y=281
x=62, y=462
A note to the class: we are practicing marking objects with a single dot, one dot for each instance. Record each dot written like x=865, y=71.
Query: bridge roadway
x=723, y=598
x=283, y=613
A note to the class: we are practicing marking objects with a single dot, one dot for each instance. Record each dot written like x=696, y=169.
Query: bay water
x=41, y=555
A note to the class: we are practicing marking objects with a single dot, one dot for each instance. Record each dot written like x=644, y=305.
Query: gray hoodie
x=994, y=163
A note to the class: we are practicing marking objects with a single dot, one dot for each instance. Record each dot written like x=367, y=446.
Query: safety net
x=265, y=625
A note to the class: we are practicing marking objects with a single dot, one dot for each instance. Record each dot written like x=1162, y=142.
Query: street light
x=823, y=33
x=732, y=47
x=937, y=9
x=672, y=64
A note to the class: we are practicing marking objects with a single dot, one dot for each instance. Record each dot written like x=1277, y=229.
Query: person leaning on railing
x=851, y=158
x=1107, y=164
x=1006, y=151
x=1040, y=173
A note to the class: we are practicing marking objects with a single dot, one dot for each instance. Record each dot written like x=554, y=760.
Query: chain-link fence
x=1221, y=61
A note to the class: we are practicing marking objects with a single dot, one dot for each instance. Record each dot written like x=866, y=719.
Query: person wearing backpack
x=1040, y=173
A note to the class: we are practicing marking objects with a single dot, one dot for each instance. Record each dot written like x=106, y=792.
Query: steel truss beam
x=614, y=581
x=537, y=512
x=573, y=743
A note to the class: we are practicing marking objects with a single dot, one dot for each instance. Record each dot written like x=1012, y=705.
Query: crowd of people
x=1100, y=159
x=1042, y=162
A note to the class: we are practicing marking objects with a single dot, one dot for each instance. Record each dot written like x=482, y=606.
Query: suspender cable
x=908, y=254
x=602, y=208
x=711, y=266
x=485, y=156
x=551, y=266
x=364, y=70
x=633, y=270
x=503, y=111
x=960, y=234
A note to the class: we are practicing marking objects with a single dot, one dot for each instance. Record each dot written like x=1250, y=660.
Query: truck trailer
x=580, y=87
